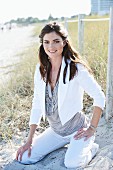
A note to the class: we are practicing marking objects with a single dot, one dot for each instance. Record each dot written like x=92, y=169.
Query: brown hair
x=69, y=53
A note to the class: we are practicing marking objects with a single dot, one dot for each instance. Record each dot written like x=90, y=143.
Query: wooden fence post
x=109, y=88
x=80, y=33
x=66, y=23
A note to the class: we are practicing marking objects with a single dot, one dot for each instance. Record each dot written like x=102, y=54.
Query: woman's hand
x=22, y=149
x=84, y=133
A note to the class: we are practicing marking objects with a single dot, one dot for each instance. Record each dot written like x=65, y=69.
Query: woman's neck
x=56, y=64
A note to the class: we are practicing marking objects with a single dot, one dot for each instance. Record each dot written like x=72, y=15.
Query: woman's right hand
x=22, y=149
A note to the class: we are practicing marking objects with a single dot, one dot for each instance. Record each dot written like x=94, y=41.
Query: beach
x=12, y=44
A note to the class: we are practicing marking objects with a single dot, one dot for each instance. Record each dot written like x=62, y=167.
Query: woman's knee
x=77, y=160
x=73, y=162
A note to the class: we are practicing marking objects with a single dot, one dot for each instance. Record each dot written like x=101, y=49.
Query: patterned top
x=51, y=101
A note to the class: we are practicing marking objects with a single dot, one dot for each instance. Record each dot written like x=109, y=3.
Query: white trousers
x=78, y=153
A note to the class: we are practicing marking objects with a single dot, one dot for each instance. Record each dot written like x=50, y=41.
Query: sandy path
x=13, y=42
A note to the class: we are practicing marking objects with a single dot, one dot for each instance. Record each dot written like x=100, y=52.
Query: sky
x=13, y=9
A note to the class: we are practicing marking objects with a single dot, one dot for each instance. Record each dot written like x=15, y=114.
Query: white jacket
x=70, y=95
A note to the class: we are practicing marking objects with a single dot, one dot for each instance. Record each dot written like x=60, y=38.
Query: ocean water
x=12, y=43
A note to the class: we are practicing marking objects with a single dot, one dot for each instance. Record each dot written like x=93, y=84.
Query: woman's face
x=53, y=45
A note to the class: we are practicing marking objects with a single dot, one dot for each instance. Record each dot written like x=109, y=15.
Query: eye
x=56, y=41
x=46, y=42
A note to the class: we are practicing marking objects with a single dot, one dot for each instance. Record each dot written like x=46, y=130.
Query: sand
x=54, y=161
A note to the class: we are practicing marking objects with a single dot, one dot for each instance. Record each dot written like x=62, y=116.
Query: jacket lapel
x=62, y=90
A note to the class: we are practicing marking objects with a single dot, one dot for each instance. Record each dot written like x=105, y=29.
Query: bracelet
x=92, y=127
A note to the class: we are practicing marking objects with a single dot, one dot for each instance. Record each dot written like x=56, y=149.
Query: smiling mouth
x=52, y=51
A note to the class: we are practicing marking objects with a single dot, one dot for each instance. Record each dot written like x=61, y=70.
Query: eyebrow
x=54, y=39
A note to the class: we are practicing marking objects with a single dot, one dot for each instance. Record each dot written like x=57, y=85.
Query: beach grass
x=95, y=47
x=16, y=96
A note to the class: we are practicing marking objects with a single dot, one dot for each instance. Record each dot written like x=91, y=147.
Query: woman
x=60, y=80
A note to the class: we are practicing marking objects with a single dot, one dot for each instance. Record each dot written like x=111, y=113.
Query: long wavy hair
x=69, y=53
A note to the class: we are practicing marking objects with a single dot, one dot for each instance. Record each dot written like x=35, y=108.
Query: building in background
x=101, y=7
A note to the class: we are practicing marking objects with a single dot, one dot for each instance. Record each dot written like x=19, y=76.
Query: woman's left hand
x=84, y=133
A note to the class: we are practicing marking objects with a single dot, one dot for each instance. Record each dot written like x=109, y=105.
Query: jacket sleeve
x=90, y=86
x=35, y=110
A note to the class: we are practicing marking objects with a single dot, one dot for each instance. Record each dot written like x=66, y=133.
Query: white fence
x=109, y=91
x=81, y=21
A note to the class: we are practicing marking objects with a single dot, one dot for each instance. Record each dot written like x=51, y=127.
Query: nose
x=51, y=45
